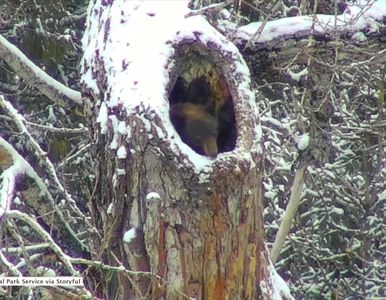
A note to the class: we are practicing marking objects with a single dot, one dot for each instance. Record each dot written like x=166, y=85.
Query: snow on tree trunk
x=190, y=225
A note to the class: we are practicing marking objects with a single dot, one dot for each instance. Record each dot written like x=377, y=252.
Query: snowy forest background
x=337, y=245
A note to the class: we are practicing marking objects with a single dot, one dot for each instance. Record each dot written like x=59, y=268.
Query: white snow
x=7, y=188
x=114, y=123
x=35, y=71
x=110, y=209
x=103, y=117
x=297, y=75
x=17, y=200
x=19, y=167
x=139, y=61
x=337, y=211
x=120, y=172
x=359, y=36
x=361, y=15
x=129, y=235
x=382, y=195
x=153, y=195
x=302, y=141
x=280, y=287
x=122, y=127
x=122, y=152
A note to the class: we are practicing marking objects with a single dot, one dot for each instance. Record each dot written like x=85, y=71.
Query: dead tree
x=192, y=222
x=167, y=221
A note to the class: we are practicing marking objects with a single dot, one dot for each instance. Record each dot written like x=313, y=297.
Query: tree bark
x=194, y=224
x=172, y=223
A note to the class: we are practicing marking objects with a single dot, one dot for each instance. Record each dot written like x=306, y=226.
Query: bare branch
x=209, y=8
x=66, y=131
x=75, y=155
x=42, y=159
x=35, y=76
x=14, y=214
x=289, y=214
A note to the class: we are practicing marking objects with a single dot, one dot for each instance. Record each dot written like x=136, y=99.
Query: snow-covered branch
x=75, y=155
x=36, y=77
x=65, y=131
x=362, y=16
x=52, y=181
x=14, y=214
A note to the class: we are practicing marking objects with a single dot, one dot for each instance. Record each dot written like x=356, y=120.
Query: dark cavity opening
x=202, y=113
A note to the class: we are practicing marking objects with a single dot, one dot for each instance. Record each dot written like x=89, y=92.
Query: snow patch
x=120, y=172
x=152, y=196
x=361, y=16
x=122, y=153
x=280, y=287
x=110, y=209
x=302, y=141
x=129, y=235
x=103, y=117
x=114, y=123
x=138, y=68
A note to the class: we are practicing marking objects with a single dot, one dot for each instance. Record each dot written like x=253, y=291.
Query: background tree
x=335, y=247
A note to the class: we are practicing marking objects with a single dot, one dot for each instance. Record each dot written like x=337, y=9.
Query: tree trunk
x=192, y=226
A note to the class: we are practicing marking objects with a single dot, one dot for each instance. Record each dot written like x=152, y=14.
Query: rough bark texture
x=198, y=232
x=201, y=239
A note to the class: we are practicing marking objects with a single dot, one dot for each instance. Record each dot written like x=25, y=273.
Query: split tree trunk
x=196, y=225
